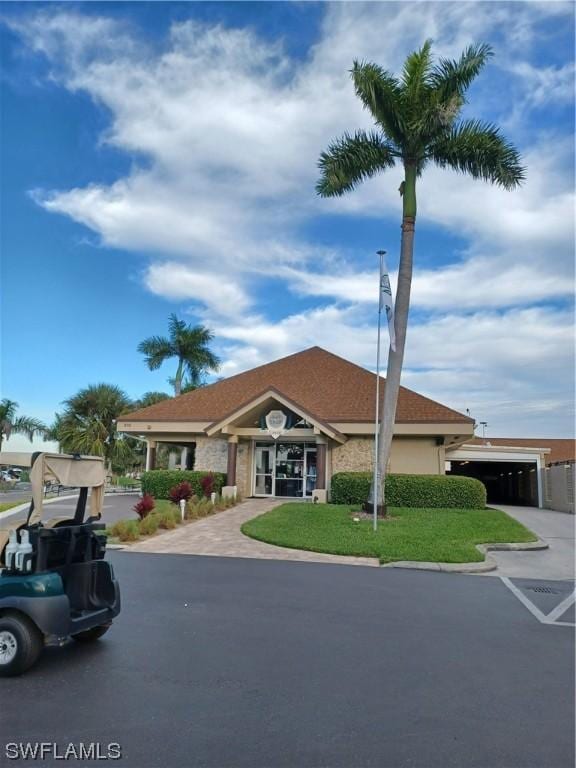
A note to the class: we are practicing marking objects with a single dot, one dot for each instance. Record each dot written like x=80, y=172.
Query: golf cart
x=54, y=582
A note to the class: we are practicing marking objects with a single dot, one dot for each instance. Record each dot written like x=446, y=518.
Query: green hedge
x=437, y=491
x=158, y=482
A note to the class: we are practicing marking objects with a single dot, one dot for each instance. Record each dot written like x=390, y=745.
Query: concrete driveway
x=242, y=663
x=556, y=562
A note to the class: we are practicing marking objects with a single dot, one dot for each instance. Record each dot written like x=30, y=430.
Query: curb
x=489, y=564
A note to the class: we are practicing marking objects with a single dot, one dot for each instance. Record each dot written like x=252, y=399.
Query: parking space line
x=543, y=618
x=562, y=607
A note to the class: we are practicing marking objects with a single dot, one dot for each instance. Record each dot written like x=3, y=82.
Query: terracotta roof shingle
x=323, y=384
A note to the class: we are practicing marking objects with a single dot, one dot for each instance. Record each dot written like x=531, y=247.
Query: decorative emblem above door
x=276, y=423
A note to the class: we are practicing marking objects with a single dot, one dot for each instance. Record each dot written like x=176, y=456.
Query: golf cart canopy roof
x=74, y=471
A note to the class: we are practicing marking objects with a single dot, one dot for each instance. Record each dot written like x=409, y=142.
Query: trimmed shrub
x=181, y=492
x=149, y=525
x=424, y=491
x=159, y=482
x=144, y=506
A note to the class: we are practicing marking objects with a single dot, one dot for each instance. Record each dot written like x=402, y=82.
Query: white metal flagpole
x=375, y=494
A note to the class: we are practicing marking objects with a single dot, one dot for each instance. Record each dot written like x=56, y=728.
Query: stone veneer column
x=231, y=464
x=320, y=465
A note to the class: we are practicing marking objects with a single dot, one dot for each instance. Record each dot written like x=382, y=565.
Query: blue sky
x=160, y=157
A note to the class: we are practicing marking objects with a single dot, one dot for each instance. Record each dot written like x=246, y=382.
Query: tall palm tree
x=10, y=423
x=88, y=423
x=186, y=342
x=418, y=121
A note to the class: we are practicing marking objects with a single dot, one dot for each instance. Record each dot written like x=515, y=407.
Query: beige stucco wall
x=417, y=456
x=409, y=455
x=211, y=454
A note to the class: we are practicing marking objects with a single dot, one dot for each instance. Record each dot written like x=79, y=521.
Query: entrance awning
x=251, y=411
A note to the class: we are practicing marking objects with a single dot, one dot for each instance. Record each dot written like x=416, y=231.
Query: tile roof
x=561, y=449
x=324, y=385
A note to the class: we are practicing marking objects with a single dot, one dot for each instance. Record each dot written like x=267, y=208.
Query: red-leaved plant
x=144, y=506
x=182, y=491
x=208, y=482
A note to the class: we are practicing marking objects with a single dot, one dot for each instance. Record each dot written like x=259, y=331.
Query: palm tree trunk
x=401, y=308
x=178, y=378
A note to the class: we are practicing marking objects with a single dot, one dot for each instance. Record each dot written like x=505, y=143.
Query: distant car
x=8, y=475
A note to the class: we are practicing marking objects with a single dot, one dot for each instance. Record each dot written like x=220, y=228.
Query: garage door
x=506, y=482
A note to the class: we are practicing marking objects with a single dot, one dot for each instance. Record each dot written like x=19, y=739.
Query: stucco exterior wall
x=211, y=454
x=419, y=456
x=408, y=456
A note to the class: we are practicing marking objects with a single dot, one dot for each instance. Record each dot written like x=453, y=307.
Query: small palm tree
x=88, y=424
x=189, y=344
x=10, y=423
x=151, y=398
x=417, y=122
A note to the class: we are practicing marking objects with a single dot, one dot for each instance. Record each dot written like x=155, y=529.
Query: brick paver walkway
x=220, y=535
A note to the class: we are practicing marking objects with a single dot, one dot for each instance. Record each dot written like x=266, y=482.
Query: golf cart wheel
x=91, y=634
x=20, y=644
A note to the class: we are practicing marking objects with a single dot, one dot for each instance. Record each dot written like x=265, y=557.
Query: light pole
x=375, y=493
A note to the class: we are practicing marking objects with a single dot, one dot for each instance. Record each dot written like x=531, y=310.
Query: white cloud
x=475, y=283
x=546, y=85
x=225, y=129
x=176, y=281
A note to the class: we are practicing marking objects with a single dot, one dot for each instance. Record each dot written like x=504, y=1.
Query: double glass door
x=284, y=469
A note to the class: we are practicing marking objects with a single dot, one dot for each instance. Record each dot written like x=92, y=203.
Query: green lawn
x=10, y=504
x=435, y=535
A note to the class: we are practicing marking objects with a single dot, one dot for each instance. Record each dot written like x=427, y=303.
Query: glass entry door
x=264, y=462
x=310, y=469
x=289, y=469
x=285, y=469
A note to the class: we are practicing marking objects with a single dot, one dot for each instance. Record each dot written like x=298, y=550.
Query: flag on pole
x=387, y=302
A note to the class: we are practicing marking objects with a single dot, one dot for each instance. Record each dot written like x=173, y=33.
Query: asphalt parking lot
x=118, y=506
x=223, y=662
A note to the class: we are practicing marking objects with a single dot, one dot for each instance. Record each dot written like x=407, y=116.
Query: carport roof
x=321, y=383
x=561, y=449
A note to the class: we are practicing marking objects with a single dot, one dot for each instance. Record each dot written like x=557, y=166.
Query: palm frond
x=175, y=327
x=452, y=78
x=380, y=92
x=352, y=159
x=479, y=149
x=416, y=71
x=28, y=426
x=156, y=349
x=8, y=409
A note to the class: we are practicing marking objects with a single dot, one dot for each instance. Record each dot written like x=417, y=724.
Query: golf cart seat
x=56, y=583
